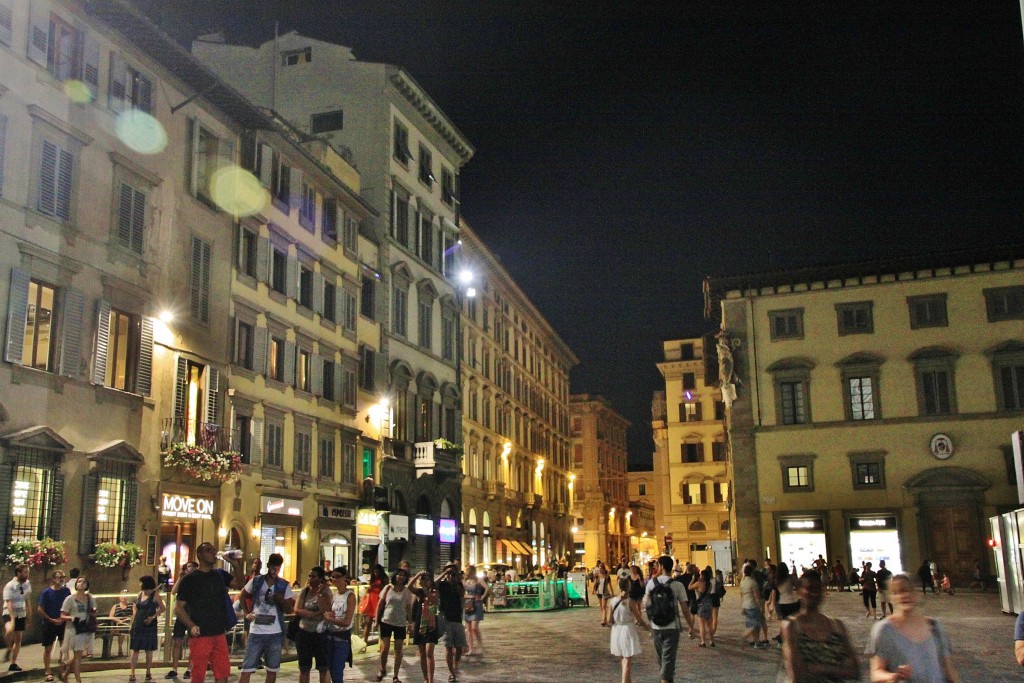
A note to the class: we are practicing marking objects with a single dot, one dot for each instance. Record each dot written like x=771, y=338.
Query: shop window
x=868, y=470
x=109, y=504
x=786, y=324
x=933, y=372
x=325, y=464
x=797, y=473
x=37, y=492
x=855, y=318
x=927, y=311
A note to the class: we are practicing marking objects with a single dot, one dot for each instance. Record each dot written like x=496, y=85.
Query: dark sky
x=626, y=150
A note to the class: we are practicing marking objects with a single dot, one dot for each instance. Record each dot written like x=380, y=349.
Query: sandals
x=49, y=678
x=395, y=679
x=380, y=676
x=362, y=650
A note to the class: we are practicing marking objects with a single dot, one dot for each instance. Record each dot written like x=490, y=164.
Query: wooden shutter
x=39, y=32
x=144, y=368
x=99, y=364
x=200, y=280
x=295, y=189
x=130, y=504
x=192, y=156
x=318, y=293
x=72, y=323
x=138, y=224
x=289, y=363
x=256, y=441
x=339, y=382
x=266, y=169
x=212, y=395
x=87, y=531
x=17, y=317
x=260, y=342
x=118, y=87
x=144, y=96
x=339, y=303
x=263, y=260
x=6, y=34
x=91, y=62
x=65, y=169
x=316, y=370
x=3, y=141
x=47, y=201
x=180, y=388
x=54, y=528
x=291, y=285
x=124, y=215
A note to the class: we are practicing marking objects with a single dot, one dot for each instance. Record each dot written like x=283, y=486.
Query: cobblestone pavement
x=570, y=646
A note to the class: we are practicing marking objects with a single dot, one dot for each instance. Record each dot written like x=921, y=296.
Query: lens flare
x=238, y=191
x=141, y=132
x=77, y=91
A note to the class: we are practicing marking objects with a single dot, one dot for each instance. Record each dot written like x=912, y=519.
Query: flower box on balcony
x=202, y=464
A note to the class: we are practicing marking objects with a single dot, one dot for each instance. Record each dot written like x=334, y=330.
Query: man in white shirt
x=272, y=598
x=16, y=598
x=666, y=637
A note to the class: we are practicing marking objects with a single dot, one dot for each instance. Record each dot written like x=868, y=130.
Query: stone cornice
x=431, y=113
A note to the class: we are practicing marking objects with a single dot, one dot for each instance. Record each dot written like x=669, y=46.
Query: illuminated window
x=110, y=498
x=797, y=476
x=122, y=350
x=302, y=375
x=37, y=491
x=36, y=350
x=294, y=57
x=797, y=473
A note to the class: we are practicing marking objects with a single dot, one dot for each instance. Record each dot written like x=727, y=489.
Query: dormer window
x=295, y=57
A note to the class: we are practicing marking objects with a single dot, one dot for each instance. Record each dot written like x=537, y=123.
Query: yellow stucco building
x=874, y=406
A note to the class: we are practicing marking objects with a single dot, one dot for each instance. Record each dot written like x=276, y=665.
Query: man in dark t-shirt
x=450, y=593
x=48, y=608
x=202, y=607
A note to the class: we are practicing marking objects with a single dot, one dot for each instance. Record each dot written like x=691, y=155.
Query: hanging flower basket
x=199, y=462
x=44, y=553
x=122, y=556
x=446, y=445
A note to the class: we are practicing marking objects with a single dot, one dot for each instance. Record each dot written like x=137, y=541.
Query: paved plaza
x=570, y=645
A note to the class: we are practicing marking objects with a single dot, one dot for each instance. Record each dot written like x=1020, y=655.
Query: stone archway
x=950, y=520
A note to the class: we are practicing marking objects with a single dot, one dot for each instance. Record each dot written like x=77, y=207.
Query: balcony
x=211, y=436
x=538, y=500
x=560, y=509
x=495, y=489
x=515, y=497
x=430, y=458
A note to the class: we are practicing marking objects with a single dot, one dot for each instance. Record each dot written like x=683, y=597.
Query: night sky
x=627, y=150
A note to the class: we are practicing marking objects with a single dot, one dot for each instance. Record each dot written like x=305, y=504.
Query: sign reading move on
x=187, y=507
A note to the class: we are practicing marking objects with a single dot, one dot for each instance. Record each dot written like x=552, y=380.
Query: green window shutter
x=99, y=365
x=318, y=293
x=144, y=369
x=65, y=168
x=291, y=285
x=17, y=317
x=47, y=201
x=87, y=529
x=124, y=215
x=199, y=281
x=263, y=260
x=72, y=323
x=118, y=86
x=145, y=94
x=54, y=529
x=138, y=221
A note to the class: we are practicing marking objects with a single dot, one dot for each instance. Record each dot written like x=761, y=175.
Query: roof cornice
x=407, y=86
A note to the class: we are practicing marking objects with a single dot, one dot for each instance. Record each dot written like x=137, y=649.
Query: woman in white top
x=787, y=601
x=339, y=624
x=393, y=613
x=76, y=609
x=602, y=589
x=625, y=639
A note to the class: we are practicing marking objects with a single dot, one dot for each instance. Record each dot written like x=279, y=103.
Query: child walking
x=625, y=639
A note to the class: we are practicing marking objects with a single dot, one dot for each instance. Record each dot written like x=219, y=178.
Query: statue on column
x=727, y=378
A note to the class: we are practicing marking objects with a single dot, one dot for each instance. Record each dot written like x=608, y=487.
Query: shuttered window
x=123, y=357
x=129, y=88
x=200, y=280
x=6, y=21
x=325, y=466
x=33, y=477
x=131, y=218
x=109, y=504
x=55, y=175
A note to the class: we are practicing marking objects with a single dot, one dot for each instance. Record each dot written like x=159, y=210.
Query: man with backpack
x=663, y=598
x=267, y=598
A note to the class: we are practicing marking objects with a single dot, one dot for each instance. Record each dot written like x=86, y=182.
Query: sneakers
x=761, y=644
x=172, y=674
x=188, y=675
x=14, y=667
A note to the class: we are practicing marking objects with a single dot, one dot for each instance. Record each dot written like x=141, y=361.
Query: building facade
x=599, y=504
x=691, y=482
x=874, y=407
x=408, y=154
x=515, y=380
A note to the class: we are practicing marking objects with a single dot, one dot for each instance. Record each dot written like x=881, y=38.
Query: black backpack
x=661, y=604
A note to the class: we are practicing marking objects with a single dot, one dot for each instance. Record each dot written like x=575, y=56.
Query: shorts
x=883, y=596
x=52, y=633
x=787, y=609
x=19, y=622
x=453, y=633
x=387, y=630
x=211, y=650
x=179, y=632
x=310, y=646
x=430, y=637
x=753, y=617
x=267, y=645
x=477, y=614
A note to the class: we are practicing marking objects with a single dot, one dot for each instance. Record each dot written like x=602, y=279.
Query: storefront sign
x=368, y=524
x=187, y=507
x=802, y=525
x=872, y=523
x=281, y=506
x=337, y=512
x=398, y=527
x=424, y=527
x=447, y=530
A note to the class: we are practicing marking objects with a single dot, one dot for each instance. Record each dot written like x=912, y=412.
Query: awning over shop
x=518, y=548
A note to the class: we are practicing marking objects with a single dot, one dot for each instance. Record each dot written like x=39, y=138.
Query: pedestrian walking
x=79, y=614
x=48, y=609
x=265, y=599
x=816, y=647
x=178, y=632
x=663, y=598
x=1018, y=639
x=717, y=595
x=787, y=601
x=203, y=606
x=909, y=646
x=869, y=590
x=368, y=605
x=425, y=634
x=310, y=644
x=145, y=611
x=393, y=613
x=602, y=589
x=450, y=592
x=473, y=604
x=701, y=587
x=924, y=572
x=882, y=577
x=625, y=640
x=339, y=624
x=752, y=608
x=15, y=616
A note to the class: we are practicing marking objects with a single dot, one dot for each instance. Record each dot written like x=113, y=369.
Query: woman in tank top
x=393, y=613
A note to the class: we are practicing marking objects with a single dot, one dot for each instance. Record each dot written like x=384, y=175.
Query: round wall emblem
x=941, y=446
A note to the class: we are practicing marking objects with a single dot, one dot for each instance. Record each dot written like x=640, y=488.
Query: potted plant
x=117, y=555
x=44, y=553
x=199, y=462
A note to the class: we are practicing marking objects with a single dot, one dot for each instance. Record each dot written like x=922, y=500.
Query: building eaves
x=974, y=259
x=407, y=86
x=140, y=30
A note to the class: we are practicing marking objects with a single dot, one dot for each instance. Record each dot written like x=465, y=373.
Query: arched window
x=698, y=526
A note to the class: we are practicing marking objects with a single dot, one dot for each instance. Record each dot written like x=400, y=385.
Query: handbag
x=230, y=615
x=87, y=625
x=293, y=628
